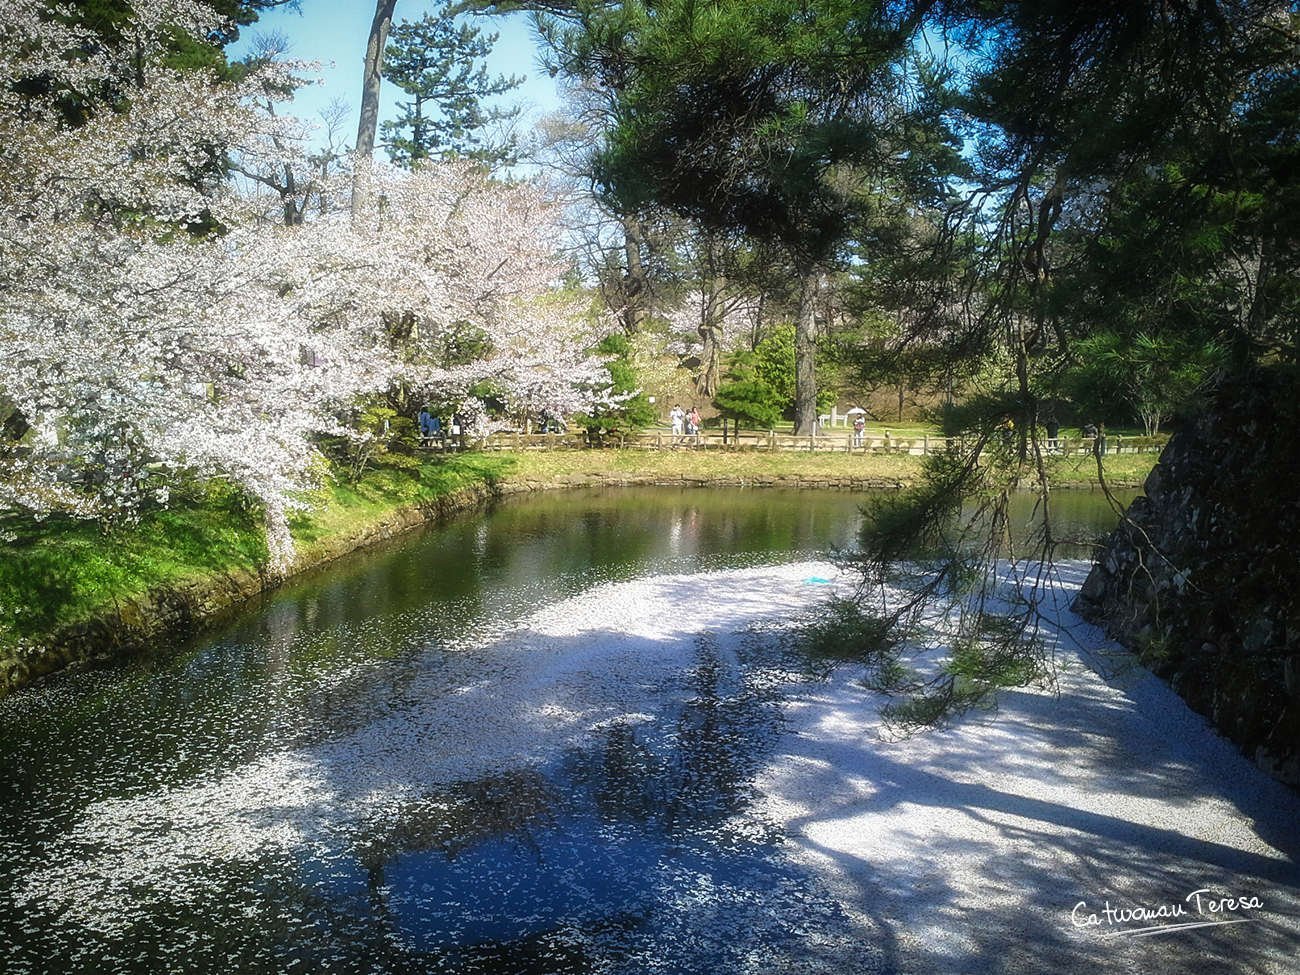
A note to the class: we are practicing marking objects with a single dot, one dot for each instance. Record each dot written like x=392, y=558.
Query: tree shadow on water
x=634, y=803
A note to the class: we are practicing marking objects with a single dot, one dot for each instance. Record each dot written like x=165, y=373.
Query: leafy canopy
x=745, y=117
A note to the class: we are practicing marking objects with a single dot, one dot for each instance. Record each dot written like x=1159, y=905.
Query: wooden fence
x=836, y=441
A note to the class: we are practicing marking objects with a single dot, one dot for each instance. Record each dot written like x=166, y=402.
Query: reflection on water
x=632, y=850
x=558, y=867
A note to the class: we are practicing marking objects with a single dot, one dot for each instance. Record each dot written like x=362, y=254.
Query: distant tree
x=277, y=159
x=334, y=154
x=627, y=407
x=725, y=285
x=761, y=387
x=746, y=397
x=775, y=362
x=760, y=122
x=438, y=64
x=620, y=249
x=1151, y=376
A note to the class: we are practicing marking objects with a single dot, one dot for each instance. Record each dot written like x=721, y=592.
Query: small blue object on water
x=817, y=581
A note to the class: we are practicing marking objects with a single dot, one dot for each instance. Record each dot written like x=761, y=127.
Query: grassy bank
x=1122, y=470
x=1070, y=472
x=65, y=572
x=684, y=462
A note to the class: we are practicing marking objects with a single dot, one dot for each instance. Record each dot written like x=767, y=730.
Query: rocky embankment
x=1202, y=578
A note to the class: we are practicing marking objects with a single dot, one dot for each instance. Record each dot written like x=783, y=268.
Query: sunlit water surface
x=628, y=852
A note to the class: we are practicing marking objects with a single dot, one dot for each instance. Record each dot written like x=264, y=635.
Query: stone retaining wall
x=1202, y=580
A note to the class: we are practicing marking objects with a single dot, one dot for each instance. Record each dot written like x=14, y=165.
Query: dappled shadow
x=966, y=849
x=610, y=785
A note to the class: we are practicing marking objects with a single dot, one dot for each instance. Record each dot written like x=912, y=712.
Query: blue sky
x=334, y=32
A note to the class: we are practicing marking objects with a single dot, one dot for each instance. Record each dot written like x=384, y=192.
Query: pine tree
x=439, y=65
x=762, y=121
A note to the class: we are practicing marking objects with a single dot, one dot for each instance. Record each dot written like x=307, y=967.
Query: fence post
x=925, y=446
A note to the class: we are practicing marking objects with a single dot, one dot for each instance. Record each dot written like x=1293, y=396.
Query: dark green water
x=581, y=857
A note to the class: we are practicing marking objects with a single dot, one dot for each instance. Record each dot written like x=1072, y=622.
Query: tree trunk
x=293, y=209
x=635, y=287
x=369, y=124
x=706, y=383
x=710, y=331
x=1026, y=397
x=805, y=363
x=1257, y=313
x=417, y=132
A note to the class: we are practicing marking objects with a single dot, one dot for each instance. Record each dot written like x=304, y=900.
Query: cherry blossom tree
x=138, y=349
x=134, y=347
x=468, y=268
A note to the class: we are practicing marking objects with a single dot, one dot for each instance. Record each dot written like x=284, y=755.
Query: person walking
x=458, y=429
x=859, y=430
x=677, y=416
x=693, y=422
x=1053, y=431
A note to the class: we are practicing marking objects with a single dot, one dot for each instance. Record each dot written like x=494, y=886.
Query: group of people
x=1091, y=431
x=431, y=427
x=683, y=423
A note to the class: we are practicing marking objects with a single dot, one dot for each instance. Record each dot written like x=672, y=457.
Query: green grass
x=543, y=464
x=340, y=507
x=1121, y=469
x=63, y=572
x=1077, y=471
